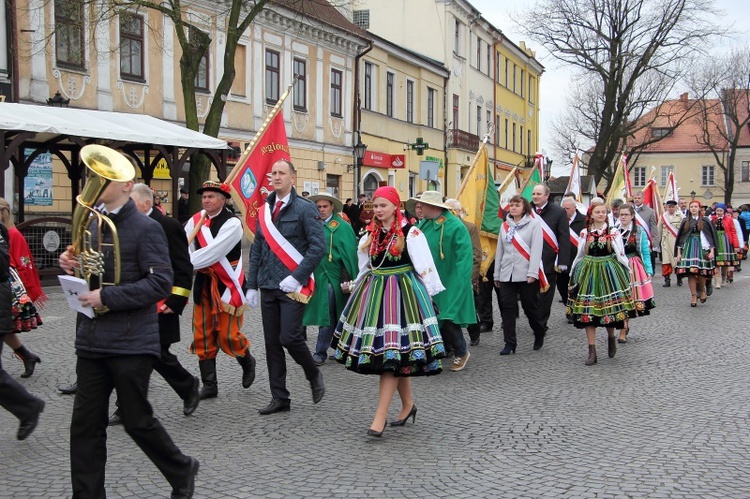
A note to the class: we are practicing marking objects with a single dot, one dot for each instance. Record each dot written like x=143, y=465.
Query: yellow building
x=130, y=63
x=401, y=100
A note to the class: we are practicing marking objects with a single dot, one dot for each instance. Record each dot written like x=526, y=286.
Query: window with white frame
x=69, y=33
x=390, y=79
x=368, y=86
x=131, y=46
x=707, y=176
x=457, y=38
x=272, y=76
x=201, y=78
x=639, y=176
x=431, y=93
x=479, y=53
x=337, y=87
x=300, y=85
x=745, y=171
x=479, y=121
x=664, y=174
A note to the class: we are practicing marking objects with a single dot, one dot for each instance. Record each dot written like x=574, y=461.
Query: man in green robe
x=450, y=245
x=338, y=265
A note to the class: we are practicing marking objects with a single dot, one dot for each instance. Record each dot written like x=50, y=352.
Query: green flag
x=534, y=180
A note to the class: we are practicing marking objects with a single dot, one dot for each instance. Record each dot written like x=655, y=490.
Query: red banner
x=252, y=183
x=384, y=160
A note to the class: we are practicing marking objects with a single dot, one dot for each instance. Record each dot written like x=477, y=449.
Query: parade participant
x=365, y=213
x=349, y=209
x=694, y=249
x=683, y=207
x=356, y=211
x=157, y=203
x=289, y=244
x=727, y=243
x=27, y=292
x=556, y=234
x=476, y=246
x=182, y=382
x=332, y=275
x=388, y=326
x=600, y=294
x=517, y=268
x=13, y=397
x=183, y=211
x=216, y=255
x=116, y=350
x=449, y=240
x=646, y=218
x=668, y=225
x=638, y=250
x=742, y=242
x=576, y=221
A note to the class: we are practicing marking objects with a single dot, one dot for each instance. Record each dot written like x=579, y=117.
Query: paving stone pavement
x=667, y=417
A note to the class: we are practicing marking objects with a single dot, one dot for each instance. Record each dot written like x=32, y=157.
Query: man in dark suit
x=556, y=243
x=356, y=212
x=649, y=218
x=182, y=382
x=576, y=221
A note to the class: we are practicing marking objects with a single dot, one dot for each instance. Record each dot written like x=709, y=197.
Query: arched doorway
x=370, y=183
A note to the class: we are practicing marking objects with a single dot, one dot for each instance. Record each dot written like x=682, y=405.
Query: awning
x=49, y=122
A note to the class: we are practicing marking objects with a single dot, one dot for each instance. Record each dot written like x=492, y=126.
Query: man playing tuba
x=117, y=349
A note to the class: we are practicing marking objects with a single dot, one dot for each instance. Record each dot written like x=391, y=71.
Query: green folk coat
x=450, y=245
x=341, y=253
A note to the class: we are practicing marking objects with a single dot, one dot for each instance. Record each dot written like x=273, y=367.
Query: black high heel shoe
x=412, y=414
x=375, y=433
x=508, y=350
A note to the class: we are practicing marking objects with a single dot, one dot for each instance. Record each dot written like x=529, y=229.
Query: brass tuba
x=105, y=165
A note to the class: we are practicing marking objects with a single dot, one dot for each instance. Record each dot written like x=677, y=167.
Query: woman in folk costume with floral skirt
x=638, y=250
x=26, y=290
x=694, y=248
x=388, y=326
x=600, y=294
x=727, y=244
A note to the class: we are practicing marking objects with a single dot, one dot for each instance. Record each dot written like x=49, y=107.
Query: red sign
x=384, y=160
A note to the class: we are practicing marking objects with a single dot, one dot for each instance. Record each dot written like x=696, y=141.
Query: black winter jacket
x=6, y=298
x=130, y=327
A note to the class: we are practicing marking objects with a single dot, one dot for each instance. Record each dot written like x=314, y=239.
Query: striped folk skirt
x=603, y=297
x=389, y=325
x=725, y=254
x=694, y=261
x=640, y=285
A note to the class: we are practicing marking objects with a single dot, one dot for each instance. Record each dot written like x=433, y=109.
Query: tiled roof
x=687, y=137
x=742, y=114
x=322, y=11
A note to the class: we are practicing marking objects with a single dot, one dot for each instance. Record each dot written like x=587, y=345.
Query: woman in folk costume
x=694, y=248
x=727, y=244
x=26, y=290
x=600, y=293
x=638, y=250
x=742, y=242
x=388, y=326
x=517, y=265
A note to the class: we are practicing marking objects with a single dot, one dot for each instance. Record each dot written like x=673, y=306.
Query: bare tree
x=630, y=55
x=724, y=115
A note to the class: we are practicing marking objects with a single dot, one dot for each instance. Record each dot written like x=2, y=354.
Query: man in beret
x=214, y=237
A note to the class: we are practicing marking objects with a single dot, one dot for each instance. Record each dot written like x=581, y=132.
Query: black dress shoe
x=115, y=418
x=538, y=342
x=317, y=387
x=68, y=390
x=474, y=342
x=28, y=425
x=186, y=490
x=276, y=405
x=508, y=350
x=485, y=328
x=190, y=404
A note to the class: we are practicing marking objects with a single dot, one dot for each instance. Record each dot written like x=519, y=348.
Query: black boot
x=248, y=369
x=667, y=282
x=29, y=359
x=611, y=345
x=679, y=280
x=592, y=356
x=208, y=375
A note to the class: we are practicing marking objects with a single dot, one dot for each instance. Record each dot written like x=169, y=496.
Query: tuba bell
x=104, y=165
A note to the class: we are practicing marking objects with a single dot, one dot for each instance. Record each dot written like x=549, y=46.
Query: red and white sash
x=574, y=239
x=668, y=225
x=549, y=235
x=232, y=277
x=286, y=253
x=525, y=252
x=639, y=220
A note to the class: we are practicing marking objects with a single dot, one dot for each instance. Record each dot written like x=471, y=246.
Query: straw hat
x=433, y=198
x=338, y=206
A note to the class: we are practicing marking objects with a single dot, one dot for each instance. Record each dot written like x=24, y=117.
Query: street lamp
x=359, y=153
x=57, y=100
x=692, y=194
x=547, y=168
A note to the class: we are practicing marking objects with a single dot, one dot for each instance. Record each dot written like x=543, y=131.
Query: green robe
x=341, y=253
x=456, y=303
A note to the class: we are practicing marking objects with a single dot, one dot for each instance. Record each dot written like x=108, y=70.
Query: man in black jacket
x=556, y=243
x=182, y=382
x=296, y=220
x=576, y=221
x=116, y=350
x=13, y=397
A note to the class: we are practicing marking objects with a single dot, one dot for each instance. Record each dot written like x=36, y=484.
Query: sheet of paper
x=73, y=287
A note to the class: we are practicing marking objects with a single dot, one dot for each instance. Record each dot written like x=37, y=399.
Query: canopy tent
x=63, y=131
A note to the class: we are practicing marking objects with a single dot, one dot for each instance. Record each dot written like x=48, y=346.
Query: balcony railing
x=463, y=140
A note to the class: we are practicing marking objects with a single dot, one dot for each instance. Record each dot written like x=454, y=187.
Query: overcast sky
x=554, y=82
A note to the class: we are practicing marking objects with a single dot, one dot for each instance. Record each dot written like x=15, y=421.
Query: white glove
x=562, y=268
x=289, y=284
x=252, y=297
